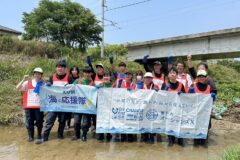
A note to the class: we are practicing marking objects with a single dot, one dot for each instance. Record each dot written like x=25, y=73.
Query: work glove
x=191, y=89
x=38, y=85
x=111, y=59
x=98, y=86
x=213, y=95
x=144, y=60
x=88, y=60
x=179, y=93
x=170, y=60
x=49, y=84
x=119, y=83
x=129, y=89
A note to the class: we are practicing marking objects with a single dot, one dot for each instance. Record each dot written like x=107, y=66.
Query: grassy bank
x=18, y=58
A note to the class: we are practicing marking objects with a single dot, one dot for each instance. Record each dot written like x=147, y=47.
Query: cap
x=128, y=71
x=87, y=69
x=148, y=74
x=157, y=62
x=201, y=73
x=61, y=63
x=38, y=69
x=99, y=65
x=122, y=64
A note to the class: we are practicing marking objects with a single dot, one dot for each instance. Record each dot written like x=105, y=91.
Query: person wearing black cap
x=60, y=78
x=86, y=124
x=119, y=76
x=98, y=81
x=158, y=76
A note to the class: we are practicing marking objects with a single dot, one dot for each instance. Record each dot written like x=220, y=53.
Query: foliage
x=232, y=153
x=64, y=22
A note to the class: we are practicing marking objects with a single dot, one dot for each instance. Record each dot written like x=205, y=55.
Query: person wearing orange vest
x=201, y=86
x=119, y=76
x=158, y=76
x=173, y=86
x=182, y=77
x=86, y=124
x=127, y=83
x=149, y=85
x=106, y=84
x=60, y=78
x=200, y=66
x=31, y=104
x=98, y=81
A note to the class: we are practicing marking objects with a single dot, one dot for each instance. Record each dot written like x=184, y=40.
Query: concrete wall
x=217, y=44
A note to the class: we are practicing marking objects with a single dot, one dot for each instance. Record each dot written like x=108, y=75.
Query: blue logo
x=152, y=114
x=115, y=110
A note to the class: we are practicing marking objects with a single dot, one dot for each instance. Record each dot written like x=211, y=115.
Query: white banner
x=148, y=111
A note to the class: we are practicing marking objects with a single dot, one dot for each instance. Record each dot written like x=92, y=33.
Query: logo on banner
x=151, y=114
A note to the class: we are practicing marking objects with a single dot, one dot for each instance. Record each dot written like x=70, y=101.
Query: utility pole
x=102, y=44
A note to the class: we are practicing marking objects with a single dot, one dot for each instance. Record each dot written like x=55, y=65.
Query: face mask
x=139, y=78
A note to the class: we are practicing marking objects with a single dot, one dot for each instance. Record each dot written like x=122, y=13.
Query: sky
x=154, y=19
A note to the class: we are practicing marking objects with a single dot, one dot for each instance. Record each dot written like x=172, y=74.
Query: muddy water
x=14, y=146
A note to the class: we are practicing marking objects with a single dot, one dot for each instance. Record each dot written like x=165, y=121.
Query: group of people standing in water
x=175, y=80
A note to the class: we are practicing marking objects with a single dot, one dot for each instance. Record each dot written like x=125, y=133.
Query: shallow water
x=14, y=146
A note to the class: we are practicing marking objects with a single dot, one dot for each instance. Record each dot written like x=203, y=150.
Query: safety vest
x=125, y=85
x=80, y=82
x=152, y=86
x=158, y=81
x=62, y=82
x=178, y=89
x=30, y=99
x=98, y=81
x=184, y=81
x=207, y=91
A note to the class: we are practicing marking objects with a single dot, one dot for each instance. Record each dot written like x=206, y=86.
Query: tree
x=67, y=23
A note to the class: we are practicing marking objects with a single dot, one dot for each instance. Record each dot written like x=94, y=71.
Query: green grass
x=232, y=153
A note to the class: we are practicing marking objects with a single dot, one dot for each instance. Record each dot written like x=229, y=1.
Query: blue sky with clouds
x=146, y=21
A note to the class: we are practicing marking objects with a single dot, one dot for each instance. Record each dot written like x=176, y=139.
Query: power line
x=127, y=5
x=183, y=10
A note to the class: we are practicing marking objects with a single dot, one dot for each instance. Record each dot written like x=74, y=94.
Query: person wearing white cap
x=200, y=66
x=31, y=104
x=149, y=85
x=201, y=86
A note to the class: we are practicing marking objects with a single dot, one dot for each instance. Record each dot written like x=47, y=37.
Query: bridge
x=202, y=46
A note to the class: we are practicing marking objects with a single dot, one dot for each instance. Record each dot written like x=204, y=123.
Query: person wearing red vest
x=158, y=76
x=31, y=104
x=119, y=76
x=149, y=85
x=173, y=86
x=60, y=78
x=98, y=81
x=127, y=83
x=200, y=66
x=201, y=86
x=86, y=124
